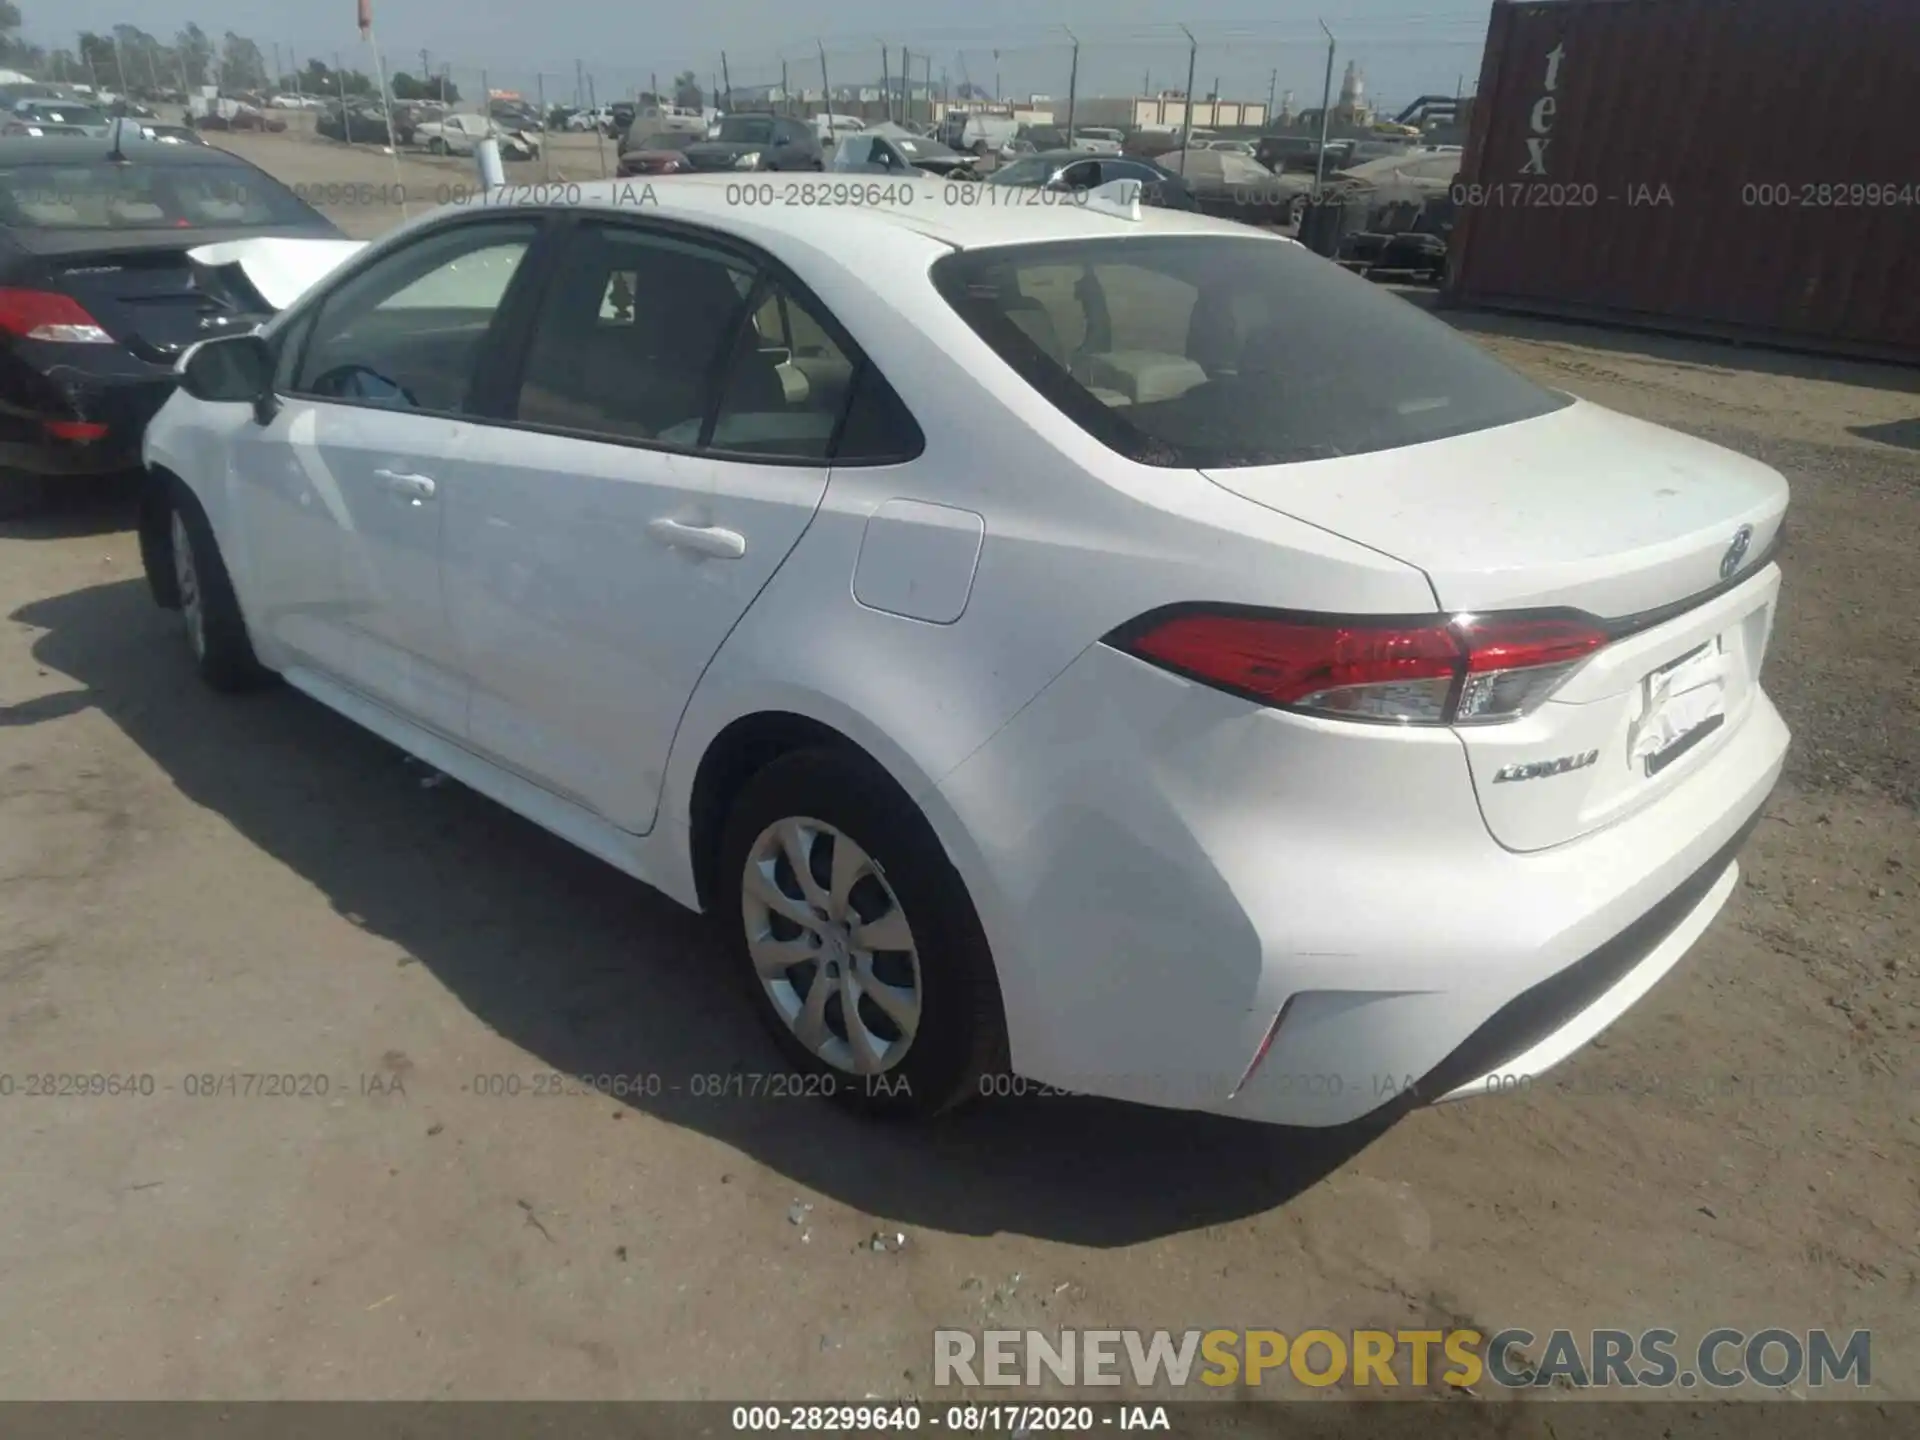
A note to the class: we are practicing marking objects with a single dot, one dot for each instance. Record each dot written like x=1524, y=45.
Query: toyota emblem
x=1736, y=552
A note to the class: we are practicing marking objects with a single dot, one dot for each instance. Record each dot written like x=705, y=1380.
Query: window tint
x=747, y=129
x=878, y=427
x=1031, y=171
x=407, y=331
x=627, y=341
x=1221, y=351
x=787, y=385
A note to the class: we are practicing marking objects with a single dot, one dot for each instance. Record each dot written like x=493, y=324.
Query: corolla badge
x=1540, y=769
x=1736, y=552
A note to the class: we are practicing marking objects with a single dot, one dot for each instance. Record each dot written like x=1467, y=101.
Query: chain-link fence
x=1151, y=84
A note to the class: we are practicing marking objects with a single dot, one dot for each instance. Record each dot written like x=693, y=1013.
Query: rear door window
x=1220, y=351
x=630, y=336
x=796, y=388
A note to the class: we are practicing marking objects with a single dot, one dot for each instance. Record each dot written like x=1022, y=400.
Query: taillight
x=1470, y=669
x=47, y=315
x=1515, y=661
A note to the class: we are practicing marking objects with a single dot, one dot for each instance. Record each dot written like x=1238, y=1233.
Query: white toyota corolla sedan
x=1113, y=648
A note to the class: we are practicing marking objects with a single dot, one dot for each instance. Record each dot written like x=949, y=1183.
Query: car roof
x=80, y=149
x=931, y=208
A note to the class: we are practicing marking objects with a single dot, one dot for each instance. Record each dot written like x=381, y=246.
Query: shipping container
x=1742, y=168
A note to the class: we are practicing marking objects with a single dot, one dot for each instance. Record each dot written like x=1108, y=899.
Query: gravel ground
x=194, y=886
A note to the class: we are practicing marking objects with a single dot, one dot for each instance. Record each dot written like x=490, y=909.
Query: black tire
x=961, y=1035
x=225, y=657
x=22, y=494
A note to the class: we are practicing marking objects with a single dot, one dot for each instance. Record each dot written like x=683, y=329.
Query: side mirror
x=235, y=369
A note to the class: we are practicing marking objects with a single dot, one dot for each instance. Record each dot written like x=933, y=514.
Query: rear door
x=667, y=443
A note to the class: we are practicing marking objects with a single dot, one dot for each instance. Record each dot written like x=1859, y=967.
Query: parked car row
x=430, y=126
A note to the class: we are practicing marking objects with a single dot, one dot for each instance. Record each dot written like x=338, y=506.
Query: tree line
x=127, y=60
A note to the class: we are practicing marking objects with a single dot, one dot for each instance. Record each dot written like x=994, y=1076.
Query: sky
x=1404, y=48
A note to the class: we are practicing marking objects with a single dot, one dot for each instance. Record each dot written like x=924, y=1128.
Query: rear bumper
x=61, y=420
x=1200, y=904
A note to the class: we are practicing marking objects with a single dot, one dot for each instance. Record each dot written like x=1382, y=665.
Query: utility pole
x=599, y=135
x=1273, y=83
x=786, y=95
x=340, y=85
x=277, y=72
x=1326, y=116
x=726, y=104
x=119, y=65
x=906, y=85
x=1186, y=127
x=540, y=98
x=928, y=58
x=886, y=84
x=579, y=87
x=996, y=77
x=1073, y=82
x=826, y=92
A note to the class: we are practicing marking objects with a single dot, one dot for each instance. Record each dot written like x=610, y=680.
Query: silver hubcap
x=186, y=580
x=831, y=945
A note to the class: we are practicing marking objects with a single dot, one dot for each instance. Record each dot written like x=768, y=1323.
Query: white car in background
x=1101, y=643
x=460, y=133
x=830, y=127
x=1095, y=140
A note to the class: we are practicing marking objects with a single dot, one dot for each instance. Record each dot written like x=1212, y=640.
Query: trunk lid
x=147, y=292
x=1660, y=536
x=145, y=298
x=1580, y=508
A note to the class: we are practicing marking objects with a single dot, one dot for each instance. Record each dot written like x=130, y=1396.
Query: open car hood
x=263, y=276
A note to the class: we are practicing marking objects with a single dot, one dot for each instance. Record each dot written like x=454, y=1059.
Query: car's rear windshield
x=149, y=194
x=747, y=129
x=1218, y=351
x=56, y=113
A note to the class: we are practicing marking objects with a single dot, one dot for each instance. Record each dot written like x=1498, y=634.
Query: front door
x=340, y=497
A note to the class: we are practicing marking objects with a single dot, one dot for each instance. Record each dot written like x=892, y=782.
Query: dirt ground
x=194, y=886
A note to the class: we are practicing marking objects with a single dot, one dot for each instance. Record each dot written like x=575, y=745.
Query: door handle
x=415, y=487
x=701, y=539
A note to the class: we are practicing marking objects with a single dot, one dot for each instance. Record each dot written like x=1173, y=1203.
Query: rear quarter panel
x=1076, y=541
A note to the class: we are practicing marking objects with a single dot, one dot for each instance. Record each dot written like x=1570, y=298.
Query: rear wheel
x=855, y=937
x=216, y=633
x=436, y=146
